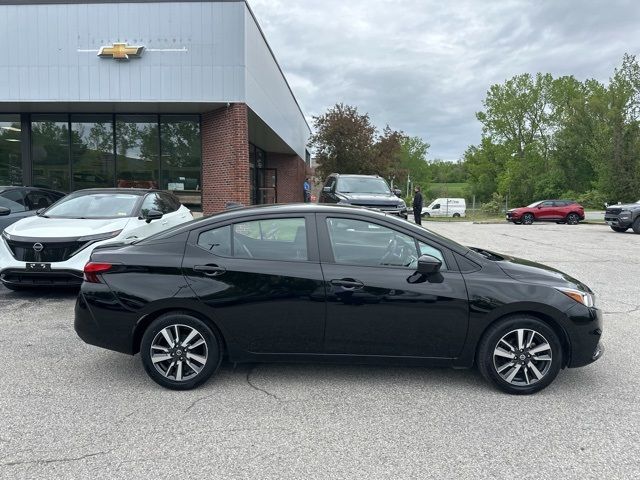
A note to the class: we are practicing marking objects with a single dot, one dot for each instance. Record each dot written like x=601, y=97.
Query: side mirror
x=428, y=265
x=4, y=211
x=397, y=192
x=326, y=189
x=539, y=206
x=40, y=210
x=152, y=215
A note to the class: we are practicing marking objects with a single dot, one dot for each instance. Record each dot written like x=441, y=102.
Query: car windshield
x=534, y=204
x=362, y=185
x=93, y=205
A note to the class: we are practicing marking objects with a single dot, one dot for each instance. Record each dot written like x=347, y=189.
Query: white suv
x=52, y=248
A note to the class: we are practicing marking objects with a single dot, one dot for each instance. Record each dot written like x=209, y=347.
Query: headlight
x=585, y=298
x=6, y=235
x=626, y=213
x=100, y=236
x=402, y=205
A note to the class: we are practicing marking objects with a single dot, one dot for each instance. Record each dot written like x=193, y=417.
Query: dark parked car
x=559, y=211
x=622, y=217
x=364, y=191
x=328, y=283
x=20, y=202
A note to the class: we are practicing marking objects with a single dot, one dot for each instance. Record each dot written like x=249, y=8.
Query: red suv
x=559, y=211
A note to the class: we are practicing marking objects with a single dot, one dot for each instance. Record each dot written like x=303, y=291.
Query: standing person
x=417, y=206
x=306, y=190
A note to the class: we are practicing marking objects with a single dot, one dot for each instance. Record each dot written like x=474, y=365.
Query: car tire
x=619, y=229
x=528, y=218
x=636, y=225
x=536, y=361
x=184, y=368
x=426, y=215
x=572, y=219
x=456, y=215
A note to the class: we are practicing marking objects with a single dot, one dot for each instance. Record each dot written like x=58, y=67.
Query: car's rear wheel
x=426, y=215
x=520, y=355
x=456, y=215
x=180, y=351
x=527, y=219
x=619, y=229
x=636, y=226
x=572, y=219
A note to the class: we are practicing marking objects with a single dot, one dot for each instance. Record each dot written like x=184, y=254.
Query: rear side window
x=36, y=200
x=274, y=239
x=217, y=241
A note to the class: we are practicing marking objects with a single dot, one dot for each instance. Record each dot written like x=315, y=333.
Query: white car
x=52, y=248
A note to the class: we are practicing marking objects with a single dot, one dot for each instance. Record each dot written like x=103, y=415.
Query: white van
x=446, y=207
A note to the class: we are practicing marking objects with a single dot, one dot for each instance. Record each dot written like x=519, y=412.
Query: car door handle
x=210, y=270
x=347, y=283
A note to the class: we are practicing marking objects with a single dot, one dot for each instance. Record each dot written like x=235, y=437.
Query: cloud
x=424, y=66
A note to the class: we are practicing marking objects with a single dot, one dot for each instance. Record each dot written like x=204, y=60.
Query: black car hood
x=371, y=198
x=531, y=272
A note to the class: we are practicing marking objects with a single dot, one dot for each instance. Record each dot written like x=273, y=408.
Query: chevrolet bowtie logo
x=120, y=51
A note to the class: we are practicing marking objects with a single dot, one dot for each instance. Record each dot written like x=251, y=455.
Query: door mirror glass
x=428, y=265
x=4, y=211
x=326, y=189
x=153, y=215
x=397, y=192
x=40, y=210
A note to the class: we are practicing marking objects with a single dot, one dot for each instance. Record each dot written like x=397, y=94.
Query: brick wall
x=291, y=174
x=225, y=158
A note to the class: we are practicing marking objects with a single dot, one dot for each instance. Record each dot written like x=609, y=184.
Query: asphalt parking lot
x=69, y=410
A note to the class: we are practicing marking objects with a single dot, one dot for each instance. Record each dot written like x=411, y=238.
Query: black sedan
x=20, y=202
x=330, y=283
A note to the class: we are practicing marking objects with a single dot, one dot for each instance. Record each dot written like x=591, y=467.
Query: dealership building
x=180, y=95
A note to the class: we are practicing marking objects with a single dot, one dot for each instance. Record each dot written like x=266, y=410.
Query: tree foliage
x=559, y=137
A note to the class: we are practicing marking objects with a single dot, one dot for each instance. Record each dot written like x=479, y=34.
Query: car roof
x=132, y=191
x=19, y=187
x=356, y=175
x=236, y=214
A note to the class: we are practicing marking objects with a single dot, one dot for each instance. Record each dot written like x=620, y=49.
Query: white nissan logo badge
x=38, y=247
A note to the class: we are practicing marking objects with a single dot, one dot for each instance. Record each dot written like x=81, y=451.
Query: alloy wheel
x=179, y=352
x=522, y=357
x=527, y=219
x=572, y=219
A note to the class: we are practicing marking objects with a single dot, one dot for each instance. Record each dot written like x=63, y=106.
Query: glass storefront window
x=10, y=153
x=50, y=151
x=92, y=156
x=137, y=151
x=181, y=153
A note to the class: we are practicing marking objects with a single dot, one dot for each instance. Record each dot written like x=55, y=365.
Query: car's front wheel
x=180, y=351
x=520, y=355
x=636, y=225
x=527, y=219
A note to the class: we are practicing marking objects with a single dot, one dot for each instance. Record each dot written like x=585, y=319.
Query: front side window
x=356, y=242
x=37, y=199
x=94, y=205
x=11, y=205
x=434, y=252
x=273, y=239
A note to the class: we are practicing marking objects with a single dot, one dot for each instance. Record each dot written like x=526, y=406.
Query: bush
x=591, y=199
x=493, y=206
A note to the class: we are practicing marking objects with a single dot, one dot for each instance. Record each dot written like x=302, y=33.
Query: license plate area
x=38, y=267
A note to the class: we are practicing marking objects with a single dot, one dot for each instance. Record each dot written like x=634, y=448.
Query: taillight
x=92, y=269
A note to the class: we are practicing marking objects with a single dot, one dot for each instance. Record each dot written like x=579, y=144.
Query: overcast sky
x=424, y=66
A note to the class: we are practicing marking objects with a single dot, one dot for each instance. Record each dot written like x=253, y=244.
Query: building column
x=291, y=171
x=225, y=158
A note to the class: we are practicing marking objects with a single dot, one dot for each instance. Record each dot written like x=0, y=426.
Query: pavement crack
x=196, y=401
x=44, y=461
x=255, y=387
